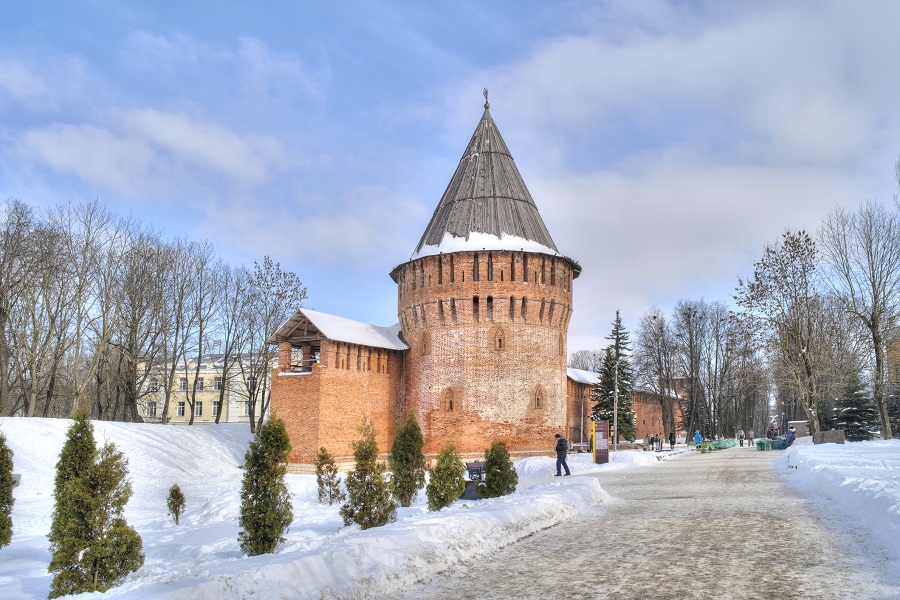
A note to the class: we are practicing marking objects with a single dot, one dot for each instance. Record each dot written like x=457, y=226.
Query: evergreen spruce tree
x=92, y=546
x=407, y=463
x=854, y=411
x=6, y=492
x=603, y=395
x=370, y=503
x=500, y=478
x=327, y=478
x=266, y=511
x=175, y=502
x=447, y=482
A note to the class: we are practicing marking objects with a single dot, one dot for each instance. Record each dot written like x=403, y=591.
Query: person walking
x=672, y=440
x=750, y=438
x=562, y=446
x=697, y=438
x=741, y=436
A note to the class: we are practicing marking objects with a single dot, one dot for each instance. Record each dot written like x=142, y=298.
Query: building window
x=490, y=308
x=251, y=384
x=499, y=339
x=245, y=409
x=539, y=398
x=199, y=384
x=475, y=275
x=198, y=409
x=525, y=268
x=215, y=408
x=490, y=267
x=448, y=402
x=182, y=384
x=180, y=409
x=217, y=383
x=440, y=269
x=154, y=385
x=151, y=409
x=475, y=314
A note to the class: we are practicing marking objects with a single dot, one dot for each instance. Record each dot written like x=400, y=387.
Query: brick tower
x=484, y=305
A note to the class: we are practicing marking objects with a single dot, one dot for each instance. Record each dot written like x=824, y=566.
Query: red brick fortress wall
x=487, y=357
x=327, y=406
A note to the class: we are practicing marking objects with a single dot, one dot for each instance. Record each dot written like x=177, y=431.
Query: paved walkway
x=718, y=525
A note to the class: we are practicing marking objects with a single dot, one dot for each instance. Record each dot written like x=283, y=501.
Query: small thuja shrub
x=500, y=478
x=327, y=478
x=92, y=546
x=447, y=482
x=370, y=503
x=175, y=502
x=407, y=463
x=266, y=511
x=6, y=492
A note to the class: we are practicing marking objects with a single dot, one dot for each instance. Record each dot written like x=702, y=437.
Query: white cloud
x=148, y=150
x=274, y=76
x=205, y=144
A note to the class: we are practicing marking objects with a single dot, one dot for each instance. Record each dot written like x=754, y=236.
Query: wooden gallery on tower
x=479, y=354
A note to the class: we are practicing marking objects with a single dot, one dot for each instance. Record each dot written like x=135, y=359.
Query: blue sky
x=665, y=143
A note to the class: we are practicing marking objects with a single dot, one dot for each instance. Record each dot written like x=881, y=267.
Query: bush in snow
x=327, y=478
x=447, y=482
x=370, y=503
x=500, y=478
x=92, y=547
x=175, y=502
x=6, y=492
x=407, y=463
x=266, y=511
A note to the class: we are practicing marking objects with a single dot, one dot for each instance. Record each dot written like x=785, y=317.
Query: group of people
x=749, y=437
x=655, y=442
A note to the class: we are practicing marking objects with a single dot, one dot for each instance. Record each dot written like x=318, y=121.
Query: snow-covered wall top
x=482, y=241
x=349, y=331
x=582, y=376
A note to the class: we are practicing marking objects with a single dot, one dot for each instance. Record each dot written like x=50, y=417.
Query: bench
x=476, y=470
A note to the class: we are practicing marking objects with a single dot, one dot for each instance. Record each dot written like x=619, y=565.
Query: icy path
x=720, y=525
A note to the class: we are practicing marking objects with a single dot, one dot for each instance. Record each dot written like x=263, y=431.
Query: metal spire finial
x=486, y=103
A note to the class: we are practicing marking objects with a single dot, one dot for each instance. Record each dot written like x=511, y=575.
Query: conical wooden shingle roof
x=486, y=196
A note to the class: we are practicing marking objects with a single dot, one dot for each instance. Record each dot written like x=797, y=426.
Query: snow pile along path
x=201, y=557
x=860, y=479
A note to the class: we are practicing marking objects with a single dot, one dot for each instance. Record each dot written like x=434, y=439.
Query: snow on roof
x=340, y=329
x=476, y=240
x=581, y=376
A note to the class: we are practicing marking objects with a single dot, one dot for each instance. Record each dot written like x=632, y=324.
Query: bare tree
x=586, y=360
x=655, y=362
x=862, y=250
x=229, y=327
x=16, y=224
x=274, y=296
x=784, y=301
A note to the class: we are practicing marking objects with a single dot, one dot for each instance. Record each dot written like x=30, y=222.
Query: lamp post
x=616, y=407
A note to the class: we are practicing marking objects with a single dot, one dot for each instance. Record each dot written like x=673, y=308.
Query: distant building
x=479, y=353
x=235, y=404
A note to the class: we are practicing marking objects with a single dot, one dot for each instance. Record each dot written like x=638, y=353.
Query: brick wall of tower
x=327, y=406
x=481, y=368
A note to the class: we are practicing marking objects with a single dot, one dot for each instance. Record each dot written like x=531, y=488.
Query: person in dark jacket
x=562, y=446
x=672, y=440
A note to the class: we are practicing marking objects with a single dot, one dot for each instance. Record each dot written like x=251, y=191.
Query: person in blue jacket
x=789, y=437
x=697, y=438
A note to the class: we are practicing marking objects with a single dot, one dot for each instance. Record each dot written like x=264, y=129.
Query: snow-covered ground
x=200, y=558
x=861, y=480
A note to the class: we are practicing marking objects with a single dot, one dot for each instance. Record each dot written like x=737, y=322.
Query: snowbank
x=200, y=558
x=861, y=480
